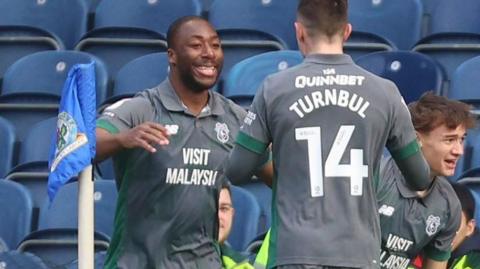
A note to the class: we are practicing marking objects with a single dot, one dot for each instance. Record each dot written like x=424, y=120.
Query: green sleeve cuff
x=251, y=143
x=437, y=255
x=407, y=151
x=104, y=124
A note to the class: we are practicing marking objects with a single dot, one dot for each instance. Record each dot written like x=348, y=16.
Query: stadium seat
x=464, y=83
x=100, y=258
x=7, y=146
x=142, y=73
x=18, y=41
x=15, y=212
x=58, y=247
x=251, y=27
x=46, y=15
x=17, y=260
x=125, y=29
x=246, y=76
x=32, y=168
x=362, y=43
x=452, y=33
x=263, y=195
x=397, y=21
x=32, y=86
x=63, y=211
x=246, y=219
x=413, y=73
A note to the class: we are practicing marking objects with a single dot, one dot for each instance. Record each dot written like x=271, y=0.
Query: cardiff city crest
x=433, y=222
x=68, y=138
x=223, y=133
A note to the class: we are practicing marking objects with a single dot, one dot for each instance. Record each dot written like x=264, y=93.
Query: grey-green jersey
x=166, y=215
x=410, y=224
x=328, y=121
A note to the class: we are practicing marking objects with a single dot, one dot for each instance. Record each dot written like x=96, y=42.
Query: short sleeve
x=439, y=248
x=402, y=141
x=254, y=134
x=125, y=114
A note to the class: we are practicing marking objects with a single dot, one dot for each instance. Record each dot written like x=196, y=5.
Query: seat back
x=63, y=211
x=413, y=73
x=401, y=21
x=7, y=146
x=449, y=17
x=463, y=86
x=245, y=222
x=263, y=195
x=46, y=15
x=142, y=73
x=58, y=248
x=246, y=76
x=155, y=15
x=15, y=213
x=275, y=17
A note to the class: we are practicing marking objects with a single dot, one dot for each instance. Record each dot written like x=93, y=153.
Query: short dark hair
x=466, y=200
x=431, y=111
x=323, y=17
x=175, y=27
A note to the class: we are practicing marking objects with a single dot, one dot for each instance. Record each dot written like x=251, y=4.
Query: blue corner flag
x=73, y=146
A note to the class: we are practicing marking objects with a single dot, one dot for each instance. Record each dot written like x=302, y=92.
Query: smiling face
x=442, y=147
x=196, y=56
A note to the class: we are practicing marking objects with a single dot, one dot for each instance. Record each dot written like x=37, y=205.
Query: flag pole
x=85, y=220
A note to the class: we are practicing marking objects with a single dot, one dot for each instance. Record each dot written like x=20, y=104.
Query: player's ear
x=471, y=227
x=300, y=34
x=347, y=31
x=172, y=56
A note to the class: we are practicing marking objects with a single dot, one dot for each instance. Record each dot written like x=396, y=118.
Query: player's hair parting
x=174, y=28
x=431, y=111
x=323, y=17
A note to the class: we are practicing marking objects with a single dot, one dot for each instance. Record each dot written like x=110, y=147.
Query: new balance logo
x=386, y=210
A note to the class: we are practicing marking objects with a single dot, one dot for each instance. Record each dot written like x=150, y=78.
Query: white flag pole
x=85, y=220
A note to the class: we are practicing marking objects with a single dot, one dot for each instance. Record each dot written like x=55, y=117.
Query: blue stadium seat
x=464, y=83
x=397, y=21
x=453, y=33
x=46, y=15
x=142, y=73
x=7, y=144
x=263, y=194
x=362, y=43
x=125, y=29
x=246, y=76
x=245, y=30
x=15, y=212
x=246, y=219
x=58, y=248
x=18, y=41
x=413, y=73
x=63, y=211
x=32, y=168
x=32, y=86
x=17, y=260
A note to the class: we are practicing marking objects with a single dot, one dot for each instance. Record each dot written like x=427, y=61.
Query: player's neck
x=323, y=46
x=194, y=101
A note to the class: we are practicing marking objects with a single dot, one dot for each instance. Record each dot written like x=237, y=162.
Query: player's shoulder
x=447, y=192
x=230, y=107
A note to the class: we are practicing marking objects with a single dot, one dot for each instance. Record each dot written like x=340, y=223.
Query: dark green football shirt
x=166, y=215
x=410, y=224
x=328, y=121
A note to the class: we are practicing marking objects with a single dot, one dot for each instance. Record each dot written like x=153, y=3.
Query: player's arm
x=145, y=135
x=242, y=163
x=125, y=125
x=403, y=145
x=433, y=264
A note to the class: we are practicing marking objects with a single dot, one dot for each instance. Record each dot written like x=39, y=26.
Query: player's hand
x=145, y=135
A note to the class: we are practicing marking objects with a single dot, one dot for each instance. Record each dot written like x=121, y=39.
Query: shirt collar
x=406, y=192
x=172, y=102
x=330, y=59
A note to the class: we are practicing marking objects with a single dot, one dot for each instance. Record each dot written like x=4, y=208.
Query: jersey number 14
x=356, y=170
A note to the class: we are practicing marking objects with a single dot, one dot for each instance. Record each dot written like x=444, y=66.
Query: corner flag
x=73, y=146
